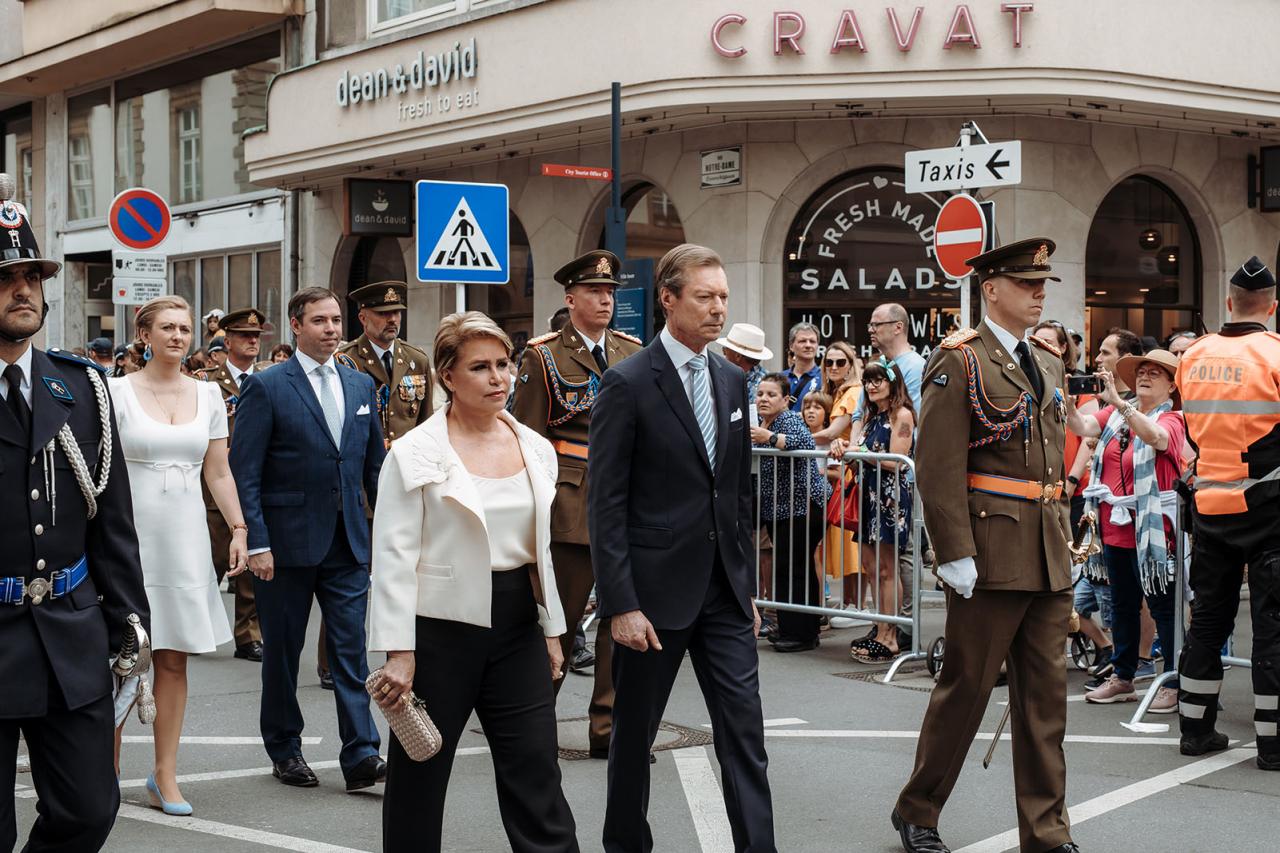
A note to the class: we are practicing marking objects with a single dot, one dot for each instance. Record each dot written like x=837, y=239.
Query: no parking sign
x=139, y=219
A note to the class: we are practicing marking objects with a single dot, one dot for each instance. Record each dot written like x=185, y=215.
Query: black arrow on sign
x=994, y=164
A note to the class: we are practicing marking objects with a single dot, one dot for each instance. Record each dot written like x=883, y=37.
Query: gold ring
x=386, y=688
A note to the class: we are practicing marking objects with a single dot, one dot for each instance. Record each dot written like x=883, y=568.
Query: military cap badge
x=1042, y=256
x=603, y=267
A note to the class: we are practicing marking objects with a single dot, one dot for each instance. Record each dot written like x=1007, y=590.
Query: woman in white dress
x=171, y=428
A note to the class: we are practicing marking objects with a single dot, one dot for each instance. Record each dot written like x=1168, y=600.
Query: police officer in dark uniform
x=556, y=387
x=242, y=333
x=69, y=576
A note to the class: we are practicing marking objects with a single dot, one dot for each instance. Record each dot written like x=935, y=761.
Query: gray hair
x=671, y=271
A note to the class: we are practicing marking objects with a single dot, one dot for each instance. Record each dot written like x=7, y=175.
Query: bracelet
x=240, y=526
x=1128, y=411
x=1073, y=479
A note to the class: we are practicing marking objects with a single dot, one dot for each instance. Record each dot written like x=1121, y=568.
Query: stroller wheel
x=934, y=660
x=1084, y=653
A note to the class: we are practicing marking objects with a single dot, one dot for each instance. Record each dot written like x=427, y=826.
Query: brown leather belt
x=570, y=448
x=1010, y=487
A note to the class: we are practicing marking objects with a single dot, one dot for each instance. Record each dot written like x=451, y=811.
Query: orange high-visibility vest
x=1230, y=387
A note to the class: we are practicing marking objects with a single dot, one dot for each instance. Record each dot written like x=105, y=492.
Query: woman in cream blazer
x=464, y=598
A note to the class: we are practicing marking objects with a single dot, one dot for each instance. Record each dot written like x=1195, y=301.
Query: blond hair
x=146, y=317
x=455, y=330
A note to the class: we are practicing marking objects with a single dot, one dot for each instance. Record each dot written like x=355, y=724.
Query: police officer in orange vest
x=1230, y=385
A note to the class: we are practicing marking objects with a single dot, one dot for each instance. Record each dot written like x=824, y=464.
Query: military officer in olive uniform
x=242, y=333
x=556, y=387
x=69, y=576
x=401, y=370
x=990, y=468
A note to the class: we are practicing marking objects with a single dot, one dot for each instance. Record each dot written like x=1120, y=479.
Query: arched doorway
x=365, y=260
x=1143, y=270
x=653, y=229
x=860, y=241
x=510, y=305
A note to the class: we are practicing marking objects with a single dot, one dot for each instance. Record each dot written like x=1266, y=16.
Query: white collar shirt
x=238, y=375
x=1007, y=339
x=680, y=356
x=23, y=362
x=310, y=366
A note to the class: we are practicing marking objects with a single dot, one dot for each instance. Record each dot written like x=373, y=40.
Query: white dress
x=165, y=465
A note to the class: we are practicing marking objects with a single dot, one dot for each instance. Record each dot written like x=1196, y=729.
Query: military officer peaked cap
x=18, y=242
x=248, y=320
x=598, y=267
x=1253, y=275
x=381, y=296
x=1025, y=259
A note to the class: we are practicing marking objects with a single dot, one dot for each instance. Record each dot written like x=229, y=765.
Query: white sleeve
x=217, y=411
x=393, y=561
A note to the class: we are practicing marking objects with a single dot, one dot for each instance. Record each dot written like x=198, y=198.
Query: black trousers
x=504, y=675
x=722, y=645
x=795, y=581
x=1218, y=559
x=73, y=771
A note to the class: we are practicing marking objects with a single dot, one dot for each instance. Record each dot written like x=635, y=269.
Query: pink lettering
x=849, y=22
x=791, y=38
x=1016, y=9
x=968, y=35
x=905, y=42
x=718, y=27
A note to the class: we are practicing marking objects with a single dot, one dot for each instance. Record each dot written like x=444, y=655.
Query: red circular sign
x=139, y=219
x=961, y=232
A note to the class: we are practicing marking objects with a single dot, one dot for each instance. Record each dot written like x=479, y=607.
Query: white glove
x=961, y=575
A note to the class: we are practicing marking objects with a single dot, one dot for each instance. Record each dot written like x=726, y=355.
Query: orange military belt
x=570, y=448
x=1009, y=487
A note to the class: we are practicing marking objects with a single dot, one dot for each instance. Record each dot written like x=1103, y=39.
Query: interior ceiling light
x=1149, y=239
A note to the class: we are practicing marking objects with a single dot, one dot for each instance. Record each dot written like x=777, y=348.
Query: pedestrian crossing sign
x=462, y=232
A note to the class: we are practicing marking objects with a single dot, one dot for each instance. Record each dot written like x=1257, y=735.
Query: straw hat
x=1127, y=367
x=746, y=339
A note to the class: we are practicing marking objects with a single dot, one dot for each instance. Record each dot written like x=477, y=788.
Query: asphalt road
x=840, y=747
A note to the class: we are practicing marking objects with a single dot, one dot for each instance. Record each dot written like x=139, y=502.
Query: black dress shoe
x=367, y=773
x=1200, y=744
x=251, y=650
x=918, y=839
x=582, y=659
x=602, y=753
x=1069, y=847
x=786, y=646
x=326, y=678
x=294, y=771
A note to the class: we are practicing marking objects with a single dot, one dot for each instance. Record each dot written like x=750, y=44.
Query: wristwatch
x=1073, y=479
x=773, y=439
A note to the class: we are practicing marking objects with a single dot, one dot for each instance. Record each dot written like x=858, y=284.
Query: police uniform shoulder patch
x=958, y=337
x=58, y=389
x=345, y=360
x=1046, y=346
x=63, y=355
x=542, y=339
x=627, y=337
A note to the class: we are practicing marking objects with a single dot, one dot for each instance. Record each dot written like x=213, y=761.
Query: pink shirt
x=1117, y=473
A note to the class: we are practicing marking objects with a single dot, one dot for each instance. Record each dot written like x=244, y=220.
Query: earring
x=147, y=353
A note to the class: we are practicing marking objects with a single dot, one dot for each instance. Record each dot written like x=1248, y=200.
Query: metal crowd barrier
x=777, y=589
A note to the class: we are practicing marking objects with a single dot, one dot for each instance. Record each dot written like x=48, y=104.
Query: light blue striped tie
x=329, y=404
x=702, y=405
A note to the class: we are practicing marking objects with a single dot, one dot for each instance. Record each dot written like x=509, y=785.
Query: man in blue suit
x=307, y=442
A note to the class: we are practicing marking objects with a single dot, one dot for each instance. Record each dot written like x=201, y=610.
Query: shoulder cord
x=1000, y=430
x=553, y=373
x=67, y=441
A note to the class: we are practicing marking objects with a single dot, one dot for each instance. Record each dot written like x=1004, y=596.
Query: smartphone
x=1087, y=384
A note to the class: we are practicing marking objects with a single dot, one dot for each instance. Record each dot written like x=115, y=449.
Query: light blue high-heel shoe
x=182, y=809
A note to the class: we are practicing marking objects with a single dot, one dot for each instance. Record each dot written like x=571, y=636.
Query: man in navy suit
x=670, y=512
x=307, y=442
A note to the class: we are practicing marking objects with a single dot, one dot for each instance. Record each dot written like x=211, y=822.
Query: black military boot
x=1200, y=744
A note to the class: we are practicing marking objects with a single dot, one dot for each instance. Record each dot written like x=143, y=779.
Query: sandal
x=872, y=652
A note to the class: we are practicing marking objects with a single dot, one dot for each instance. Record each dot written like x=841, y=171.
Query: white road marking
x=780, y=721
x=914, y=735
x=227, y=830
x=1127, y=795
x=706, y=802
x=200, y=740
x=1074, y=697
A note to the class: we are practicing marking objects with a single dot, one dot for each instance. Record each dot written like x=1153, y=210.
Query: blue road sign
x=462, y=232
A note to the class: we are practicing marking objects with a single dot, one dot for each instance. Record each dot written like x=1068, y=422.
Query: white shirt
x=378, y=351
x=309, y=366
x=591, y=345
x=680, y=356
x=1007, y=339
x=24, y=362
x=509, y=516
x=238, y=375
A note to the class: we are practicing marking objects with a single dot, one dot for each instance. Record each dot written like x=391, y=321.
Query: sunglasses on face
x=836, y=362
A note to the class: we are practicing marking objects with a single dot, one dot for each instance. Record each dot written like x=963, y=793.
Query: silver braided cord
x=67, y=441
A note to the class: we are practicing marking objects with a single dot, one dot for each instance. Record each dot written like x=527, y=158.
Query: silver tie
x=329, y=404
x=702, y=409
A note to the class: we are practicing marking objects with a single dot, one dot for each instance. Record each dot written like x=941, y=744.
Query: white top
x=238, y=375
x=680, y=356
x=1006, y=338
x=509, y=517
x=309, y=366
x=24, y=362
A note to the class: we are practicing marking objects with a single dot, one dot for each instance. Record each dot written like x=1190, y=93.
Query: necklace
x=172, y=394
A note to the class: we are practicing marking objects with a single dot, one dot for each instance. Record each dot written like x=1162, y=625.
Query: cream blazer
x=430, y=552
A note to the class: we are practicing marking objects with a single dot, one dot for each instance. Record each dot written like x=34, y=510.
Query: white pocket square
x=363, y=410
x=736, y=416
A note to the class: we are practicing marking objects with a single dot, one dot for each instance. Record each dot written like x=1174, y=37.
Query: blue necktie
x=702, y=409
x=329, y=404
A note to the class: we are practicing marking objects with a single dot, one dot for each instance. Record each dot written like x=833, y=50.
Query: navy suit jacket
x=292, y=480
x=658, y=513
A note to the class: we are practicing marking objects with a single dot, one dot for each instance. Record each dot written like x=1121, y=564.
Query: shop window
x=89, y=159
x=1142, y=264
x=231, y=281
x=511, y=305
x=861, y=241
x=653, y=223
x=24, y=187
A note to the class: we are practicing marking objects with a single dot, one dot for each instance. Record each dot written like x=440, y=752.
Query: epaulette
x=345, y=360
x=347, y=347
x=203, y=374
x=64, y=355
x=416, y=349
x=259, y=366
x=1045, y=345
x=627, y=337
x=542, y=339
x=958, y=337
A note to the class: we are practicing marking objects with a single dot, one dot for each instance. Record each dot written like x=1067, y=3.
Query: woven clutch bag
x=409, y=722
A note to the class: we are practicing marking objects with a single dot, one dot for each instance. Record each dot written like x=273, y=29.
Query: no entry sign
x=139, y=219
x=960, y=234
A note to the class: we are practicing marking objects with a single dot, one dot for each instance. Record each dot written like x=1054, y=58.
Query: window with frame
x=187, y=130
x=80, y=175
x=90, y=153
x=393, y=13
